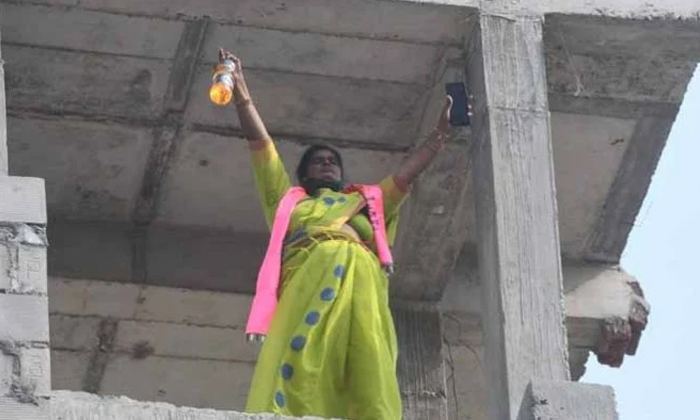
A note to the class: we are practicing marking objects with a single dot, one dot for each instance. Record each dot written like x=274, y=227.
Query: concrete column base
x=421, y=366
x=568, y=401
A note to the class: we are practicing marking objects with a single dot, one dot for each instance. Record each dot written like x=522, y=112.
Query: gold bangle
x=245, y=102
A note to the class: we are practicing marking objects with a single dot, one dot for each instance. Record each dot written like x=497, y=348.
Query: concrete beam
x=421, y=366
x=628, y=190
x=430, y=227
x=603, y=33
x=175, y=102
x=516, y=215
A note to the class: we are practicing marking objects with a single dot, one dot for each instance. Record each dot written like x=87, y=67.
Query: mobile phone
x=460, y=100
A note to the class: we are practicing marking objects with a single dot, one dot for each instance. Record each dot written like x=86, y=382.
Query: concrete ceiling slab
x=89, y=31
x=352, y=110
x=620, y=59
x=65, y=82
x=360, y=18
x=325, y=55
x=210, y=182
x=92, y=171
x=106, y=88
x=591, y=35
x=587, y=152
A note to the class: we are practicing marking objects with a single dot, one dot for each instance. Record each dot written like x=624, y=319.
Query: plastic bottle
x=221, y=91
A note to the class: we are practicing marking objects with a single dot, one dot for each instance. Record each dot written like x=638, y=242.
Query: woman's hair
x=305, y=160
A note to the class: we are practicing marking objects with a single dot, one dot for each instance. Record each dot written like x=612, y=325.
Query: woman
x=331, y=348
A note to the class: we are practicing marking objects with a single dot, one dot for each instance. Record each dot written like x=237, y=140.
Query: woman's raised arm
x=420, y=157
x=251, y=123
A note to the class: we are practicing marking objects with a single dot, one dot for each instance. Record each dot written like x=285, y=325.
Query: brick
x=194, y=383
x=189, y=341
x=68, y=369
x=73, y=332
x=31, y=276
x=6, y=256
x=6, y=367
x=35, y=370
x=22, y=200
x=23, y=260
x=24, y=318
x=11, y=409
x=84, y=297
x=194, y=307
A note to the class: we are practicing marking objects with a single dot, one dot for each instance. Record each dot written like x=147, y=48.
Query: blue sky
x=663, y=252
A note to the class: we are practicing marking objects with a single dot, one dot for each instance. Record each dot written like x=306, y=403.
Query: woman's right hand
x=240, y=89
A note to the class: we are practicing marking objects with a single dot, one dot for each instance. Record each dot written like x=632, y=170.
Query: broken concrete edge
x=67, y=405
x=561, y=400
x=23, y=258
x=27, y=379
x=606, y=313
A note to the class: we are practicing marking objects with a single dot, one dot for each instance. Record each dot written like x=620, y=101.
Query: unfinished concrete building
x=508, y=249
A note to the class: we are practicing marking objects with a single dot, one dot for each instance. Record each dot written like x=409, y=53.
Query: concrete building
x=509, y=246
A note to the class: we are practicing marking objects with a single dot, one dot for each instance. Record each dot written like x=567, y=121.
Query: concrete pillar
x=516, y=213
x=3, y=119
x=25, y=373
x=421, y=367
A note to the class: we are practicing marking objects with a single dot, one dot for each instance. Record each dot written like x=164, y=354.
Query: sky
x=660, y=382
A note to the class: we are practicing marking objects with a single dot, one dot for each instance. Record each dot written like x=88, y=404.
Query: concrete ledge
x=22, y=200
x=66, y=405
x=11, y=409
x=568, y=401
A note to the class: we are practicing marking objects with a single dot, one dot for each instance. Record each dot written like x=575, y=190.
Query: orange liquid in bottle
x=220, y=93
x=221, y=90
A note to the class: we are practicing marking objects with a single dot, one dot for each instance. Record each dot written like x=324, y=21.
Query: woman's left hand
x=443, y=127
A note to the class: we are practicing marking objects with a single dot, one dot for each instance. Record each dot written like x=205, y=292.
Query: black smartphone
x=459, y=113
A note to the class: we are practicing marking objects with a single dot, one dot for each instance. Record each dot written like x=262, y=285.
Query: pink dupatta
x=265, y=300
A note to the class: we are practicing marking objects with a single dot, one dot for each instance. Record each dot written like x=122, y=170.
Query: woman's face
x=324, y=166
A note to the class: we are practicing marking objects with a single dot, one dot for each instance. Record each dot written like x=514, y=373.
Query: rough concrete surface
x=568, y=401
x=631, y=9
x=363, y=75
x=150, y=184
x=67, y=405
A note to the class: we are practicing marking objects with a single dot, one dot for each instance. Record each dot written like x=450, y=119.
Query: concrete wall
x=150, y=343
x=186, y=347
